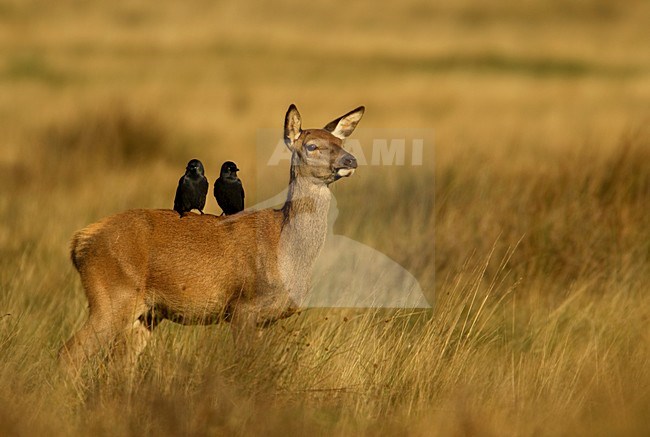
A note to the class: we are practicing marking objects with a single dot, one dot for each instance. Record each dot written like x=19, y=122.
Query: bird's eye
x=311, y=147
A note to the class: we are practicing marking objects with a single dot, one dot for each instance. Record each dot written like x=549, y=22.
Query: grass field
x=535, y=252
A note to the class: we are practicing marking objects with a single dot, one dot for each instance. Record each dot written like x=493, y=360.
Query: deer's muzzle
x=345, y=165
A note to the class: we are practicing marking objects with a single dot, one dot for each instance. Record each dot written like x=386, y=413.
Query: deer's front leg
x=250, y=317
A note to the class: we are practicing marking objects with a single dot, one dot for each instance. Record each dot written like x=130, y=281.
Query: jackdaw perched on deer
x=228, y=189
x=192, y=189
x=143, y=266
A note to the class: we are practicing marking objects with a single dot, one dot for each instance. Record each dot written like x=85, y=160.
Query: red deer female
x=250, y=269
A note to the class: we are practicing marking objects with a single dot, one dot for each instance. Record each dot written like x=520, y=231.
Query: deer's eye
x=311, y=147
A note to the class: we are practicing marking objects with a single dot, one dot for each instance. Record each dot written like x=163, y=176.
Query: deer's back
x=191, y=264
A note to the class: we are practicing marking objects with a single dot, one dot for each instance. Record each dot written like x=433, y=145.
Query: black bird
x=228, y=189
x=192, y=189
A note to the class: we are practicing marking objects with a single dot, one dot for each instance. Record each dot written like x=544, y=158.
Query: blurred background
x=540, y=111
x=201, y=77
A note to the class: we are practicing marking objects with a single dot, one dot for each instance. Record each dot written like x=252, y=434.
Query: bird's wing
x=241, y=187
x=217, y=185
x=178, y=198
x=203, y=185
x=203, y=192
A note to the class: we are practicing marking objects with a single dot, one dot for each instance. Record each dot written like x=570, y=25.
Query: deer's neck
x=305, y=216
x=303, y=234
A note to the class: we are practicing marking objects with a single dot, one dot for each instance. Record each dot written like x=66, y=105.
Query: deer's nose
x=348, y=161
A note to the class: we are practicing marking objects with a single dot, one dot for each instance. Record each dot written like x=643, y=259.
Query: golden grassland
x=535, y=252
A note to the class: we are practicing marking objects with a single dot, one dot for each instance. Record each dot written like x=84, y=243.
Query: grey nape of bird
x=192, y=189
x=228, y=189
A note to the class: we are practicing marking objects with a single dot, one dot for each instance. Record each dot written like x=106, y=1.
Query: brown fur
x=150, y=247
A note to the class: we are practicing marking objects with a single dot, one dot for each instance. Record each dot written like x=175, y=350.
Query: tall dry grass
x=529, y=231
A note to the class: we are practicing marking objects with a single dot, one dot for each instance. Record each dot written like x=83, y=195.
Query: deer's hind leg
x=132, y=341
x=111, y=313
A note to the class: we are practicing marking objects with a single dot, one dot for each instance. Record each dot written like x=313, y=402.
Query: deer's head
x=318, y=154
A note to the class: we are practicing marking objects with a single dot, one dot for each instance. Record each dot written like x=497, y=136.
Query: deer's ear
x=343, y=126
x=292, y=123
